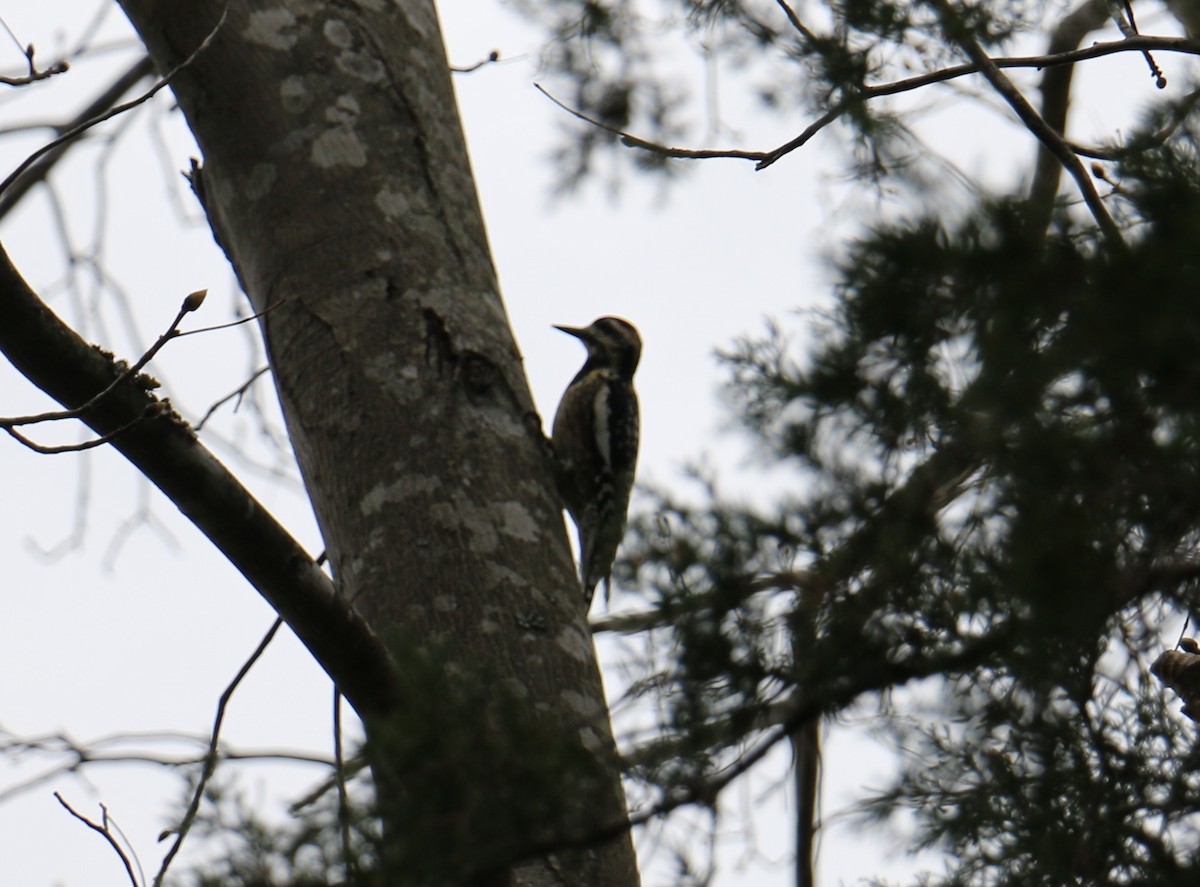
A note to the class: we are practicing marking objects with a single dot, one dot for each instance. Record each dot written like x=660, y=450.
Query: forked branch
x=763, y=159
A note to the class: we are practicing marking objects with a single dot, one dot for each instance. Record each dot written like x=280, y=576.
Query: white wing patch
x=600, y=417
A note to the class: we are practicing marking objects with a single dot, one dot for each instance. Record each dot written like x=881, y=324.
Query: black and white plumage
x=595, y=440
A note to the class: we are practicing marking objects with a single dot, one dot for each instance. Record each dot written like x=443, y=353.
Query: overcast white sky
x=135, y=624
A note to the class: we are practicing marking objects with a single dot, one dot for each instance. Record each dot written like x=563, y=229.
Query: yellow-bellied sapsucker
x=595, y=440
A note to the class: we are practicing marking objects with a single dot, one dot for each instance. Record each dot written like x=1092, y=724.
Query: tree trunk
x=336, y=179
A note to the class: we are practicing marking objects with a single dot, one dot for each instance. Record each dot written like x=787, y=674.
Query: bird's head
x=611, y=342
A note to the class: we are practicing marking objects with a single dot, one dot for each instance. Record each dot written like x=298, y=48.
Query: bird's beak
x=576, y=331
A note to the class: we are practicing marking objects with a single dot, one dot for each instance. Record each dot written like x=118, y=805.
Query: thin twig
x=492, y=58
x=811, y=130
x=153, y=409
x=237, y=394
x=1067, y=35
x=190, y=303
x=210, y=759
x=955, y=30
x=84, y=757
x=37, y=172
x=634, y=142
x=763, y=159
x=34, y=74
x=908, y=84
x=795, y=22
x=232, y=323
x=1179, y=113
x=103, y=830
x=343, y=796
x=118, y=109
x=1122, y=14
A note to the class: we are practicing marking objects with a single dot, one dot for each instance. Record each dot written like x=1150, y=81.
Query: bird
x=595, y=443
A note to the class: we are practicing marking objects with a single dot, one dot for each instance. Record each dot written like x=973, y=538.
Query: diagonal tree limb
x=1067, y=35
x=1052, y=141
x=166, y=451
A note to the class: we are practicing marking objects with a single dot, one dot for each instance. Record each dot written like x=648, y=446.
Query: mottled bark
x=336, y=178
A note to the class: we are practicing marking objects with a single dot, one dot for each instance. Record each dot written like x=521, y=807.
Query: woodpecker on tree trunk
x=595, y=439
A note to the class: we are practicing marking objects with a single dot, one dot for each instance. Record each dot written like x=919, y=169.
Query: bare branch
x=1053, y=141
x=232, y=323
x=105, y=831
x=210, y=759
x=799, y=141
x=1066, y=36
x=491, y=58
x=763, y=159
x=37, y=171
x=83, y=127
x=112, y=750
x=633, y=141
x=34, y=74
x=794, y=20
x=1050, y=62
x=1179, y=113
x=167, y=452
x=155, y=408
x=237, y=394
x=343, y=796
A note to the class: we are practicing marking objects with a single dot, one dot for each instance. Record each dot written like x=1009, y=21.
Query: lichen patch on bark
x=272, y=28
